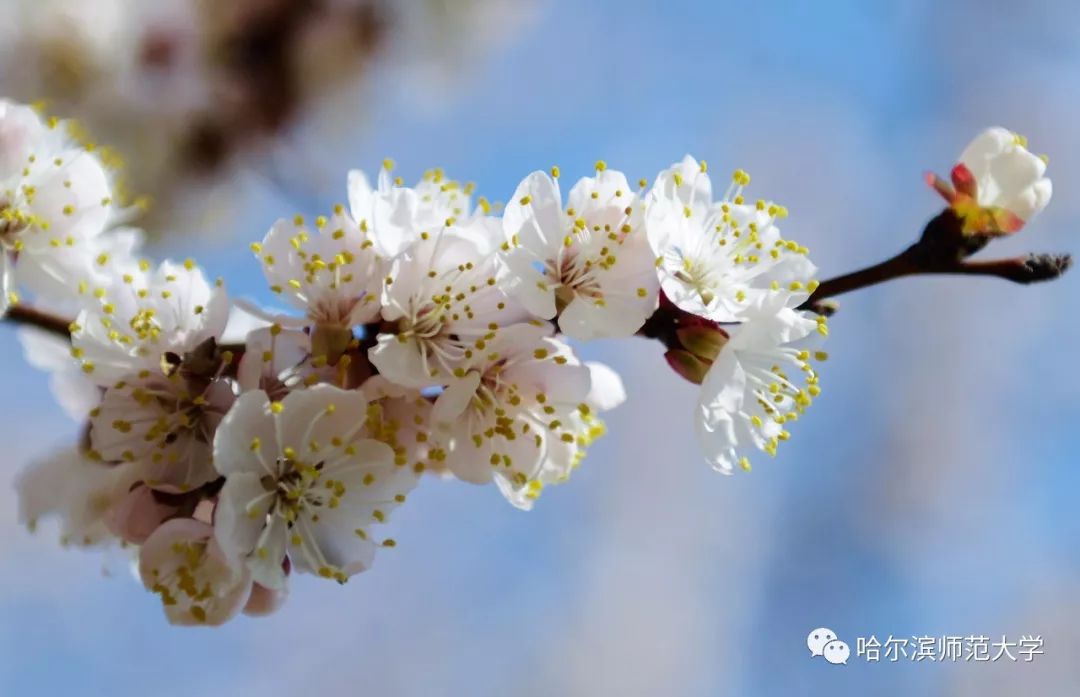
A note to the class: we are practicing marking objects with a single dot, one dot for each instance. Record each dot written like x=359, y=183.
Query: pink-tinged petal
x=941, y=186
x=265, y=601
x=1005, y=221
x=964, y=181
x=198, y=584
x=470, y=461
x=137, y=515
x=455, y=398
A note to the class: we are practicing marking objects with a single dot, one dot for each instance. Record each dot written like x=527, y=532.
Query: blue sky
x=931, y=490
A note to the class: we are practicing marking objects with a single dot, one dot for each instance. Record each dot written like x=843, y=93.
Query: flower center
x=697, y=276
x=12, y=223
x=573, y=276
x=183, y=580
x=333, y=310
x=297, y=490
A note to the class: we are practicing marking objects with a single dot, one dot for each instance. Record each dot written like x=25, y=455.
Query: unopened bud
x=687, y=365
x=264, y=601
x=703, y=341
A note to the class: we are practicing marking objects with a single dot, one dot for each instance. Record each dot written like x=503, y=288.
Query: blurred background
x=931, y=490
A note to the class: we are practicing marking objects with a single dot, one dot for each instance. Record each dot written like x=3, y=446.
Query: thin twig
x=29, y=317
x=943, y=249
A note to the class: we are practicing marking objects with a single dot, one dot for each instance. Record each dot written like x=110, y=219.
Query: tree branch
x=942, y=249
x=29, y=317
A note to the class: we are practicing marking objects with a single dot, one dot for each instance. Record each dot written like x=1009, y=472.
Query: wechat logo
x=824, y=642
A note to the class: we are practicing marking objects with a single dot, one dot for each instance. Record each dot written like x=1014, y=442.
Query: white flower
x=164, y=424
x=606, y=392
x=443, y=293
x=77, y=489
x=329, y=270
x=591, y=263
x=275, y=361
x=1006, y=174
x=301, y=483
x=998, y=185
x=400, y=417
x=716, y=259
x=54, y=197
x=198, y=584
x=761, y=380
x=144, y=319
x=399, y=214
x=514, y=414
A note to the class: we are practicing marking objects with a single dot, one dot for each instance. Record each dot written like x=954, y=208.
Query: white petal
x=521, y=279
x=606, y=387
x=240, y=515
x=181, y=560
x=987, y=145
x=585, y=320
x=312, y=419
x=266, y=561
x=455, y=398
x=538, y=223
x=360, y=196
x=246, y=440
x=400, y=362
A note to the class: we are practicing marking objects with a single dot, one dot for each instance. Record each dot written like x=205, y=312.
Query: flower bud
x=687, y=365
x=997, y=186
x=137, y=515
x=703, y=341
x=264, y=601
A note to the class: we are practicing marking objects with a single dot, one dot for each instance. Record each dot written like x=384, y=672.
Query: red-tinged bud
x=688, y=365
x=263, y=601
x=962, y=195
x=702, y=340
x=964, y=181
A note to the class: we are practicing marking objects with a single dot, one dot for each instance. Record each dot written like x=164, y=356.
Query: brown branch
x=942, y=250
x=1031, y=268
x=29, y=317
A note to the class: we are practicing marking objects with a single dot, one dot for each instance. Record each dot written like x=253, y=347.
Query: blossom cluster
x=430, y=332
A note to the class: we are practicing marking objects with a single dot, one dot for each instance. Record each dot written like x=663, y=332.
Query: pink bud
x=688, y=365
x=703, y=341
x=137, y=515
x=264, y=601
